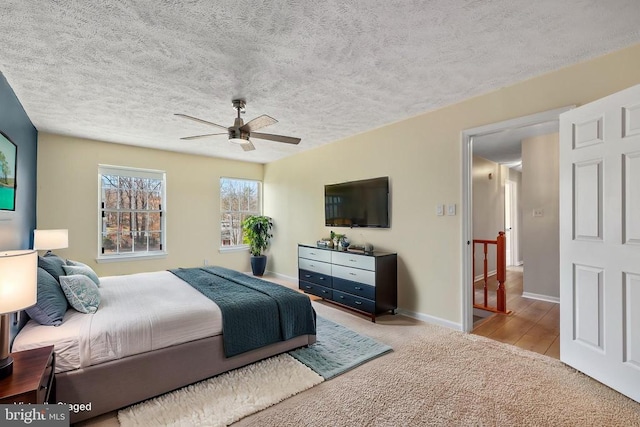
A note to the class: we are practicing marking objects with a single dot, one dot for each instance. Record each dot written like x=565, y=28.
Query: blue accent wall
x=16, y=227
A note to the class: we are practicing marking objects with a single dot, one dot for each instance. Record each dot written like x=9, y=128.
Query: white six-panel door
x=600, y=240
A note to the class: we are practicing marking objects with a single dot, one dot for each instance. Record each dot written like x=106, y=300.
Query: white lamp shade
x=18, y=280
x=50, y=239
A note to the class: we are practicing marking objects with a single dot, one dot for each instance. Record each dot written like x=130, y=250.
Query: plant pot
x=258, y=264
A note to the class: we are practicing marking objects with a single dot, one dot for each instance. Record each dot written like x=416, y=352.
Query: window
x=239, y=198
x=132, y=213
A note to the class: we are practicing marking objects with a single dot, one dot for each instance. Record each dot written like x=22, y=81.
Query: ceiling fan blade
x=248, y=146
x=202, y=136
x=195, y=119
x=258, y=122
x=278, y=138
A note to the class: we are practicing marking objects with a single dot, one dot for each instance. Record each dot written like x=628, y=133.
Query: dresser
x=365, y=282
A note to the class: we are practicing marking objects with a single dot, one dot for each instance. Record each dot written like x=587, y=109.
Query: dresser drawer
x=353, y=260
x=317, y=290
x=357, y=289
x=314, y=254
x=312, y=265
x=358, y=303
x=314, y=277
x=354, y=274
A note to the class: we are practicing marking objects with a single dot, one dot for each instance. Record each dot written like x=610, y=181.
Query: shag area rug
x=226, y=398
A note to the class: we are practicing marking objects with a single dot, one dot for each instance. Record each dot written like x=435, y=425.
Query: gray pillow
x=52, y=304
x=75, y=267
x=52, y=264
x=81, y=292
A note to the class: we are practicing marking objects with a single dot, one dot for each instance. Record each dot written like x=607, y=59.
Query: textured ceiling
x=117, y=71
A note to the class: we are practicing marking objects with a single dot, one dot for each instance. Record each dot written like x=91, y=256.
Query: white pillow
x=81, y=292
x=76, y=267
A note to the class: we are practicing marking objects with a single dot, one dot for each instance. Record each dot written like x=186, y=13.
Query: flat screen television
x=362, y=203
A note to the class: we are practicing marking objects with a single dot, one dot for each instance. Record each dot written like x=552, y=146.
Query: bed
x=154, y=332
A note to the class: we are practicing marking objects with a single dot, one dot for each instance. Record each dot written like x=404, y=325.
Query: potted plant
x=256, y=233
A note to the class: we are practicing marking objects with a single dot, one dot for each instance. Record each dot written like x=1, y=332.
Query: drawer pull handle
x=311, y=265
x=321, y=278
x=341, y=297
x=307, y=287
x=353, y=274
x=358, y=302
x=325, y=292
x=307, y=275
x=312, y=253
x=357, y=288
x=353, y=260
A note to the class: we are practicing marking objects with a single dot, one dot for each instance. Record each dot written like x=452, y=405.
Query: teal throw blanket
x=255, y=312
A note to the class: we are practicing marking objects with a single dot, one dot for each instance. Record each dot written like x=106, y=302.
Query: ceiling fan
x=240, y=132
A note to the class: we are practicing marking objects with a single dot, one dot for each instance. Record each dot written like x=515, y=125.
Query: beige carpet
x=436, y=376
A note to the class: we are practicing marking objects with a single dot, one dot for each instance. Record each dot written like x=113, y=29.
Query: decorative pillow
x=81, y=292
x=53, y=265
x=52, y=304
x=75, y=267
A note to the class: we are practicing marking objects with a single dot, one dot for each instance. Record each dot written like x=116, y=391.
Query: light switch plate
x=440, y=210
x=451, y=209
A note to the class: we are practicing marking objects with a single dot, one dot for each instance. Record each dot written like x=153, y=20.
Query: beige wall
x=68, y=198
x=488, y=208
x=540, y=191
x=422, y=157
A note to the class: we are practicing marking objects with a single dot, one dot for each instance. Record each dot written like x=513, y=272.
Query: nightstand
x=33, y=378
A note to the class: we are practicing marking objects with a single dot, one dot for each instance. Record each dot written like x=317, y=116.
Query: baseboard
x=431, y=319
x=293, y=279
x=540, y=297
x=481, y=277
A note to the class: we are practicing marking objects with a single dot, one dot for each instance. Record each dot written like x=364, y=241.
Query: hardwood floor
x=533, y=325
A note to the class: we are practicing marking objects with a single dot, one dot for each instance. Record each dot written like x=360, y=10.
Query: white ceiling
x=505, y=147
x=118, y=70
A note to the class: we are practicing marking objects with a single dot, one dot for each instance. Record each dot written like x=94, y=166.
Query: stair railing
x=501, y=272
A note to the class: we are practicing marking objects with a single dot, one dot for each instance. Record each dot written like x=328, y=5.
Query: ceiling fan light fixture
x=239, y=140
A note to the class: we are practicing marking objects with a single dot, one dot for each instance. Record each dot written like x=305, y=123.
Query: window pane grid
x=132, y=214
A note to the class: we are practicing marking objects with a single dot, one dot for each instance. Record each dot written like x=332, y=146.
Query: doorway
x=469, y=138
x=511, y=225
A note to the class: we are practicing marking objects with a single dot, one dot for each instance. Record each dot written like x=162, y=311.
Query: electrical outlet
x=451, y=209
x=206, y=262
x=538, y=212
x=440, y=210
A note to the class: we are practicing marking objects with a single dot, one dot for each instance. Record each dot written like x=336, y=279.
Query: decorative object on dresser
x=18, y=290
x=257, y=232
x=366, y=282
x=47, y=240
x=33, y=379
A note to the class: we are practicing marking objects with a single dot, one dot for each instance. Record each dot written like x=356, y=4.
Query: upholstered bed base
x=119, y=383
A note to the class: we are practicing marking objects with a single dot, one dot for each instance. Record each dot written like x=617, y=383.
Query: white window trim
x=236, y=248
x=138, y=173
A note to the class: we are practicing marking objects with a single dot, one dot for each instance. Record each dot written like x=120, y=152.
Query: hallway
x=533, y=325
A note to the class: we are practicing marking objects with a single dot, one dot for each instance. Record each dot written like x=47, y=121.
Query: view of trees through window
x=239, y=198
x=131, y=214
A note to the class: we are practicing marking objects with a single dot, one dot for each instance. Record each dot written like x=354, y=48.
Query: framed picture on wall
x=8, y=157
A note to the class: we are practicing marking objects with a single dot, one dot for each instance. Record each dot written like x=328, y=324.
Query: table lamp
x=50, y=239
x=18, y=290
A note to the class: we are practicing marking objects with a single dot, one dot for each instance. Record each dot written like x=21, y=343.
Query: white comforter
x=137, y=313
